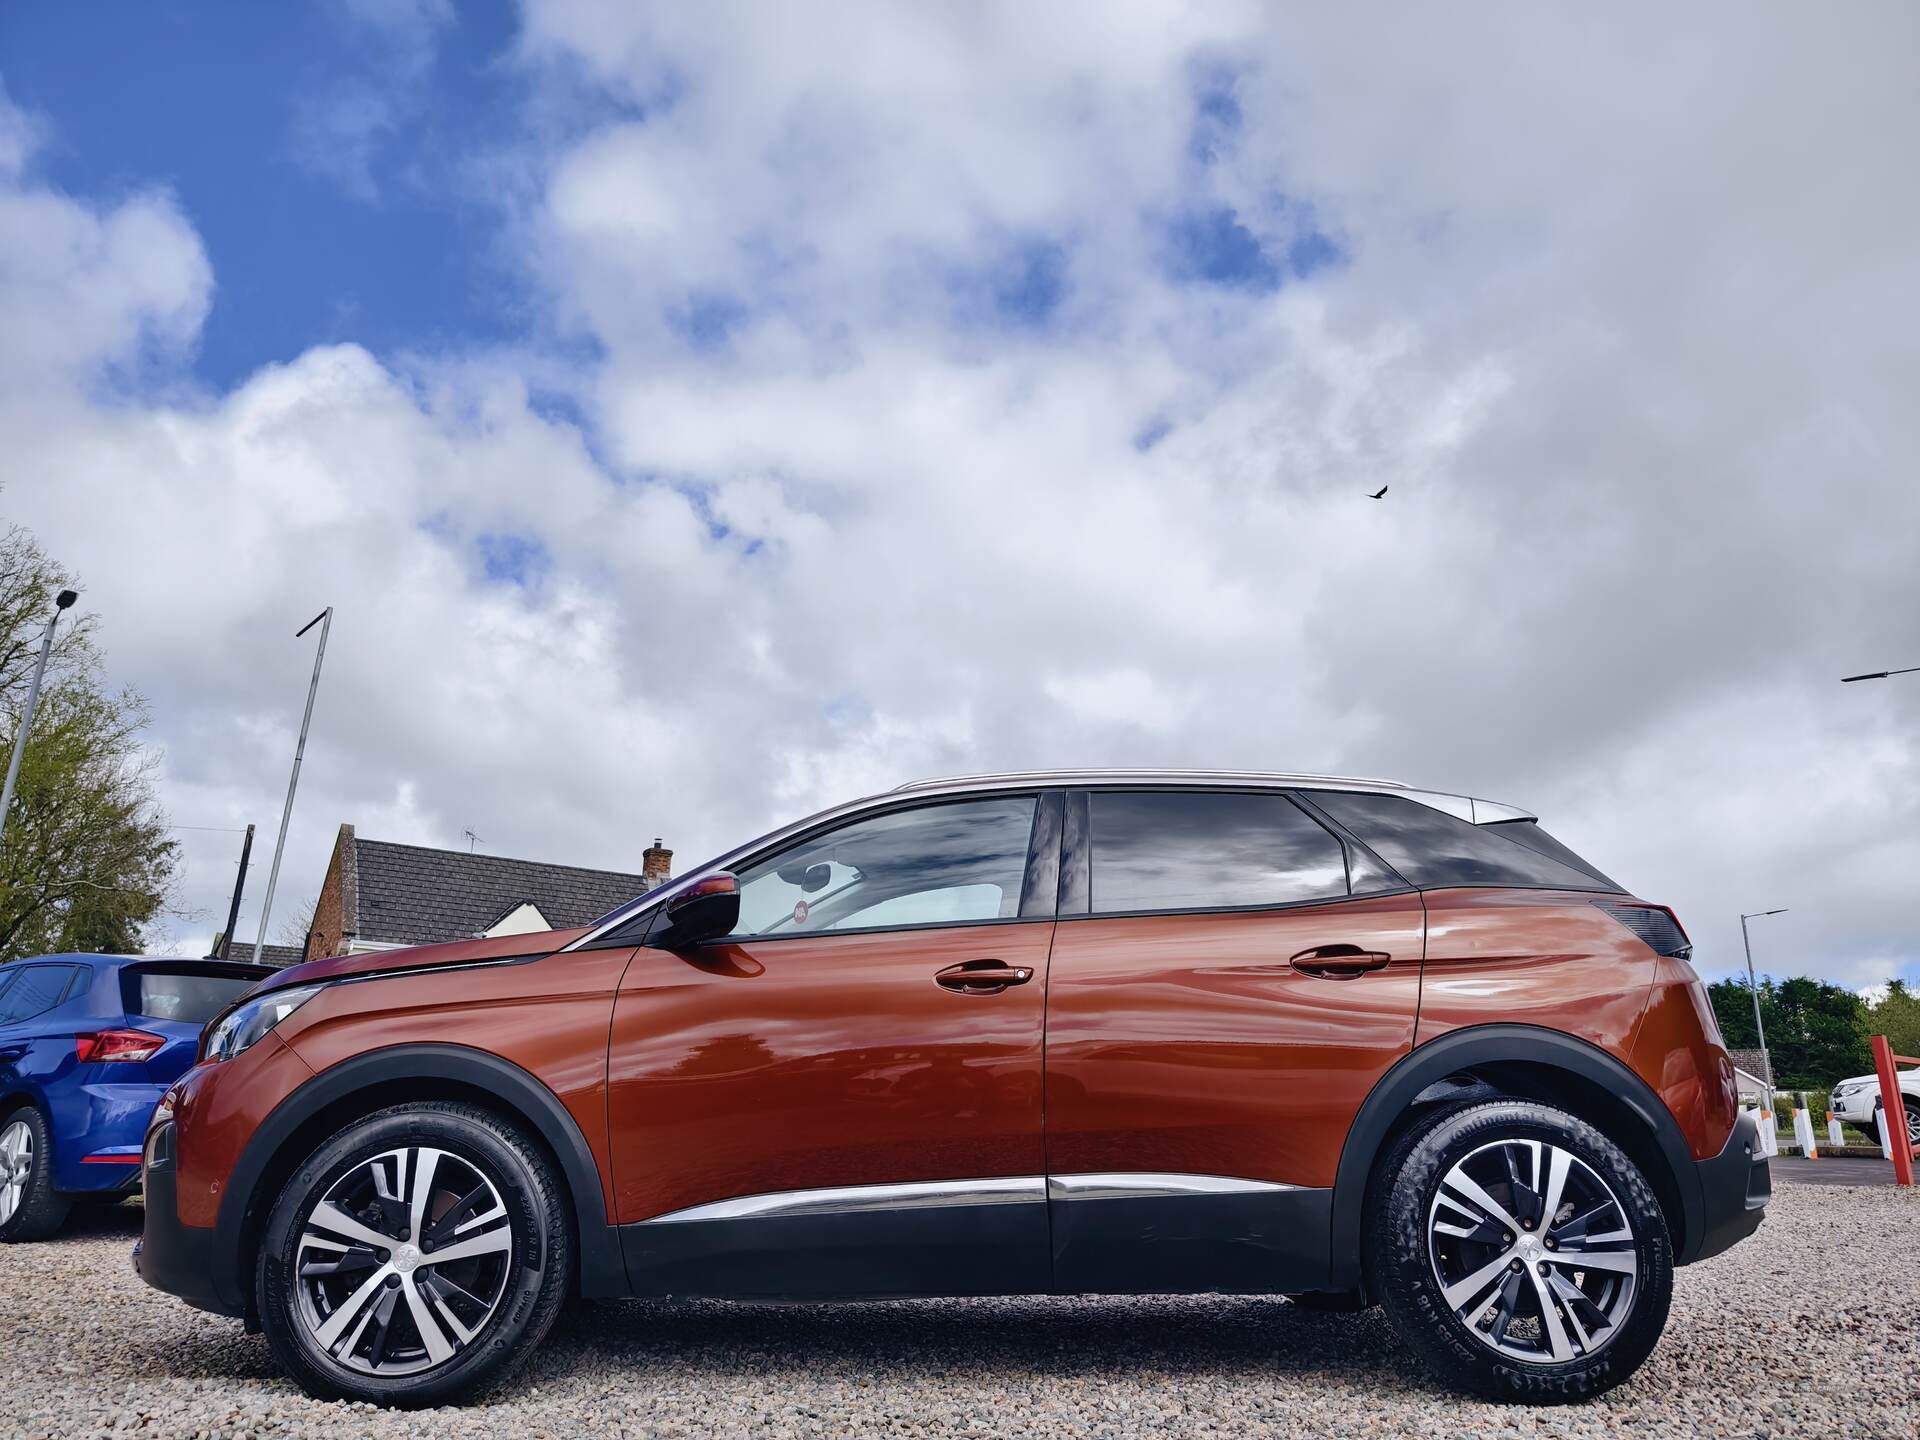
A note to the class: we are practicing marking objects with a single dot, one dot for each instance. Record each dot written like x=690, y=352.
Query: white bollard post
x=1803, y=1133
x=1834, y=1137
x=1769, y=1141
x=1886, y=1134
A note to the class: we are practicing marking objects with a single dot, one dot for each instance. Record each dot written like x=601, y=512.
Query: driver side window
x=940, y=864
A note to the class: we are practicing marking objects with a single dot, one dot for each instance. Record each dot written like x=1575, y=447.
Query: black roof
x=413, y=895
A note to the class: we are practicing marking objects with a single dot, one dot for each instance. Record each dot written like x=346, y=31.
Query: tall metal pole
x=325, y=621
x=60, y=602
x=1753, y=987
x=239, y=887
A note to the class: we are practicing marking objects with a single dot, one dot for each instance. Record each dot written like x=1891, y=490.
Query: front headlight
x=250, y=1020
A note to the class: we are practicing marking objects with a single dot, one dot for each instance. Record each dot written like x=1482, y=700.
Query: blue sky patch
x=225, y=104
x=513, y=559
x=707, y=321
x=1021, y=287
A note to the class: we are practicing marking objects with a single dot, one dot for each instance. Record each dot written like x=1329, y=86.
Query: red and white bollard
x=1833, y=1130
x=1803, y=1133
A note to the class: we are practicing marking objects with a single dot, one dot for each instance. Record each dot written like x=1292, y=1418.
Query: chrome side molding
x=855, y=1199
x=998, y=1190
x=1153, y=1185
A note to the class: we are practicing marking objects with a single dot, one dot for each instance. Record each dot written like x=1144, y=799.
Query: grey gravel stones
x=1812, y=1328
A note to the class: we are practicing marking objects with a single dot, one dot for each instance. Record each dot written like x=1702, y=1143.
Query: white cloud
x=89, y=286
x=1624, y=333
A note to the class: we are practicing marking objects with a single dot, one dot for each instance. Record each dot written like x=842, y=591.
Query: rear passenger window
x=1167, y=850
x=35, y=991
x=1432, y=848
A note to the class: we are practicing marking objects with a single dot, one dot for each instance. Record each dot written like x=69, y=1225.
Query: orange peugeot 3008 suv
x=1099, y=1032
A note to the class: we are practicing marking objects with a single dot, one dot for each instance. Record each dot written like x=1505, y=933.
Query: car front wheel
x=418, y=1254
x=1519, y=1252
x=1872, y=1127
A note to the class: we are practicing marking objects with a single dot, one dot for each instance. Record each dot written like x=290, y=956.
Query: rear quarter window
x=36, y=990
x=1433, y=849
x=190, y=998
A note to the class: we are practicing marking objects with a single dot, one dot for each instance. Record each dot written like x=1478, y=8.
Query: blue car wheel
x=29, y=1208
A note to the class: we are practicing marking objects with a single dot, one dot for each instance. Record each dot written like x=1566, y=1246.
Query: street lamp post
x=63, y=601
x=1753, y=985
x=325, y=621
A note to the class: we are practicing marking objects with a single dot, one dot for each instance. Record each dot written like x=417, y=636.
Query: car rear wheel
x=418, y=1254
x=29, y=1208
x=1519, y=1252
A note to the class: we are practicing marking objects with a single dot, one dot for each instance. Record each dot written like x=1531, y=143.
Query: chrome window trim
x=998, y=1190
x=1462, y=807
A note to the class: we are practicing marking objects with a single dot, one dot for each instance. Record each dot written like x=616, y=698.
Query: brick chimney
x=656, y=865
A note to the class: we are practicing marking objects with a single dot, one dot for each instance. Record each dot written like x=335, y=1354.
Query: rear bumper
x=97, y=1131
x=1735, y=1187
x=172, y=1256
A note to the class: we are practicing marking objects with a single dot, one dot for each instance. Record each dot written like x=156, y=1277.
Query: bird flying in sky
x=1378, y=493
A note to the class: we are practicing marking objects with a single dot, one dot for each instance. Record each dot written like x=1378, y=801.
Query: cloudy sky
x=698, y=415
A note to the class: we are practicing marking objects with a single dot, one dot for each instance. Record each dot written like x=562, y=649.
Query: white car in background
x=1857, y=1102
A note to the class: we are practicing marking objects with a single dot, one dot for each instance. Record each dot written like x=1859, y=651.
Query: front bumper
x=1735, y=1187
x=170, y=1255
x=1857, y=1108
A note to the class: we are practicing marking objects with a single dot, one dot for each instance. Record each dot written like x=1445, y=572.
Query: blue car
x=88, y=1045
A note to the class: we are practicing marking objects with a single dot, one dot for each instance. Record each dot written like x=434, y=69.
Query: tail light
x=117, y=1045
x=1655, y=924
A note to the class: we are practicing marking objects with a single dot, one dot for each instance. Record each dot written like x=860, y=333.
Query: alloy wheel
x=1533, y=1251
x=16, y=1167
x=403, y=1261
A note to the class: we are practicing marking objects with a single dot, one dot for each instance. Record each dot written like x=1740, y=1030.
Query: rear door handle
x=982, y=977
x=1339, y=962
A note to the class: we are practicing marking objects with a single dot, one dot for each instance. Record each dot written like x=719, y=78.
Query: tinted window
x=1163, y=850
x=35, y=990
x=1529, y=834
x=939, y=864
x=192, y=999
x=1433, y=848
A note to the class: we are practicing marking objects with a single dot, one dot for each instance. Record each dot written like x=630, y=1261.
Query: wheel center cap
x=405, y=1258
x=1531, y=1250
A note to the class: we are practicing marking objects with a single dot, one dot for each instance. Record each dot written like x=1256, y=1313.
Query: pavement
x=1811, y=1328
x=1830, y=1170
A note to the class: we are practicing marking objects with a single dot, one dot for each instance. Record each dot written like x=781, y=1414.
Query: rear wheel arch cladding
x=1511, y=1054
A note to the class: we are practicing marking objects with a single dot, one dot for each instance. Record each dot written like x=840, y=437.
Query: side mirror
x=705, y=910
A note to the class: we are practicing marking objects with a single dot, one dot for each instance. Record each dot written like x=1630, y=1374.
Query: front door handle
x=1338, y=962
x=982, y=977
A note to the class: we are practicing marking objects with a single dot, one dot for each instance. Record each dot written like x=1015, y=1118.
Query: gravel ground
x=1787, y=1334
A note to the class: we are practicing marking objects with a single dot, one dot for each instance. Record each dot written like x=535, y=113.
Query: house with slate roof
x=379, y=895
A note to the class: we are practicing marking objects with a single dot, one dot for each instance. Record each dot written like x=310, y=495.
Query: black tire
x=36, y=1211
x=1404, y=1253
x=527, y=1283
